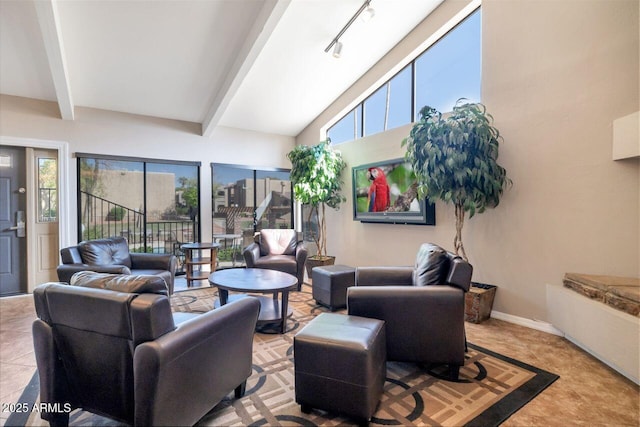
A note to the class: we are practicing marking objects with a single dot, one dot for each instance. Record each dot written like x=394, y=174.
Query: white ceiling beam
x=262, y=29
x=47, y=12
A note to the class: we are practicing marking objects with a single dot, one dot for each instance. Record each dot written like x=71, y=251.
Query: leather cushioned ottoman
x=340, y=365
x=330, y=283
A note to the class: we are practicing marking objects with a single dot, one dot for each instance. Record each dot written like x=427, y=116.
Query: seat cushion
x=284, y=263
x=105, y=251
x=432, y=264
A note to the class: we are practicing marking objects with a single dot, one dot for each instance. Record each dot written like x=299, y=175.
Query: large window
x=450, y=69
x=348, y=128
x=446, y=71
x=152, y=203
x=389, y=106
x=246, y=200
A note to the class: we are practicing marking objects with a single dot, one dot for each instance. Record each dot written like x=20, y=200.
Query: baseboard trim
x=529, y=323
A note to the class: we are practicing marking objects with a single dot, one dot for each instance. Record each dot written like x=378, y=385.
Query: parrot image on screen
x=378, y=199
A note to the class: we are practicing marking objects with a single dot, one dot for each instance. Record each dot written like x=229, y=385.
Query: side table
x=194, y=260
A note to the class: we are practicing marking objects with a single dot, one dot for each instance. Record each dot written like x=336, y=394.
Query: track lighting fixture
x=367, y=15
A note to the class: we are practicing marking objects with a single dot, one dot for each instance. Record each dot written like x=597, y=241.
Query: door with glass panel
x=42, y=215
x=246, y=200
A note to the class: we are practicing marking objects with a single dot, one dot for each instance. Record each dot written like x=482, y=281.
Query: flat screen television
x=386, y=192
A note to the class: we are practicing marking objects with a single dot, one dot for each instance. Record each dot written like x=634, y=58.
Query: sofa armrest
x=145, y=261
x=301, y=253
x=384, y=276
x=65, y=271
x=251, y=254
x=213, y=351
x=422, y=323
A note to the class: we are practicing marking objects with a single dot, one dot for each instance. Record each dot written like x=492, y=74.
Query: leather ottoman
x=340, y=365
x=330, y=283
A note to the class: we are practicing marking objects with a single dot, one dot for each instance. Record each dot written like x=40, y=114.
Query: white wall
x=555, y=74
x=106, y=132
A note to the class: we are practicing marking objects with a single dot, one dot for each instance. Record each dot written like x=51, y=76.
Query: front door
x=13, y=204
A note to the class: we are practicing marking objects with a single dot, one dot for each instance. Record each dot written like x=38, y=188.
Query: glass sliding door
x=273, y=200
x=246, y=200
x=111, y=198
x=151, y=203
x=173, y=213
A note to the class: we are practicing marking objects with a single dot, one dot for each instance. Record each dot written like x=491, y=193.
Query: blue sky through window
x=450, y=69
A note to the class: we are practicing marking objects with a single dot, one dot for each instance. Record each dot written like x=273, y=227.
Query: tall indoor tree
x=315, y=174
x=455, y=159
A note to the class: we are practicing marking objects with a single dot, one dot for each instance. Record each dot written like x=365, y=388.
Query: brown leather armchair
x=111, y=255
x=122, y=355
x=277, y=249
x=422, y=306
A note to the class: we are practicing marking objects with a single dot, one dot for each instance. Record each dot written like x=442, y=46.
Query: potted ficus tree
x=455, y=159
x=315, y=175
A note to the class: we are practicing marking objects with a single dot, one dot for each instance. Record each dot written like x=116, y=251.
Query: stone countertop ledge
x=621, y=293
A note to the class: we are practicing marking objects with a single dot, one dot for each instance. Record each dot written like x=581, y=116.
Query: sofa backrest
x=437, y=266
x=113, y=250
x=277, y=242
x=132, y=283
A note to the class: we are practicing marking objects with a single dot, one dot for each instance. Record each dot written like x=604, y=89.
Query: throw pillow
x=431, y=267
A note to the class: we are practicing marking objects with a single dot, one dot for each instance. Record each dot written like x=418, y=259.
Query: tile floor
x=588, y=392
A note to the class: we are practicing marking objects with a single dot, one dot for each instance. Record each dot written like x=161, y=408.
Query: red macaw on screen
x=378, y=199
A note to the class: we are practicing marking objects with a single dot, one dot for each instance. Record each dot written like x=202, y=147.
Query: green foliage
x=455, y=159
x=148, y=250
x=190, y=193
x=316, y=176
x=116, y=213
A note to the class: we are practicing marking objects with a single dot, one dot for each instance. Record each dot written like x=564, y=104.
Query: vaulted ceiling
x=250, y=64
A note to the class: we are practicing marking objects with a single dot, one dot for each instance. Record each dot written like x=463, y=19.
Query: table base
x=270, y=309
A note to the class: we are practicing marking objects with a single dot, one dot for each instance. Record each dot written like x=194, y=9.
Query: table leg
x=224, y=296
x=284, y=310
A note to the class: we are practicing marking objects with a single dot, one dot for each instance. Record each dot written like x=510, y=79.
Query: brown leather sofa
x=422, y=306
x=123, y=355
x=111, y=255
x=277, y=249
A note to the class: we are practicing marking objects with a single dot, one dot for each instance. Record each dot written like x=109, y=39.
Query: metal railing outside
x=101, y=218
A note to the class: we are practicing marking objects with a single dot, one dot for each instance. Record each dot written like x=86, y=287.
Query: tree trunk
x=322, y=248
x=457, y=242
x=316, y=235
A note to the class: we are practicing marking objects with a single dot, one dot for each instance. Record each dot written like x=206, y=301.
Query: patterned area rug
x=491, y=386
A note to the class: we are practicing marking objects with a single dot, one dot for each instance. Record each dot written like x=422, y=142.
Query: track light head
x=337, y=50
x=367, y=14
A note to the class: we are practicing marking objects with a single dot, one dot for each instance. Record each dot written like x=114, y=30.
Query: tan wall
x=555, y=75
x=105, y=132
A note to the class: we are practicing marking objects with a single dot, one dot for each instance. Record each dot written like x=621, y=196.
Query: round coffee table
x=260, y=281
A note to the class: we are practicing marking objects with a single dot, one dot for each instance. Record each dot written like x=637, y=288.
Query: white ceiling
x=249, y=64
